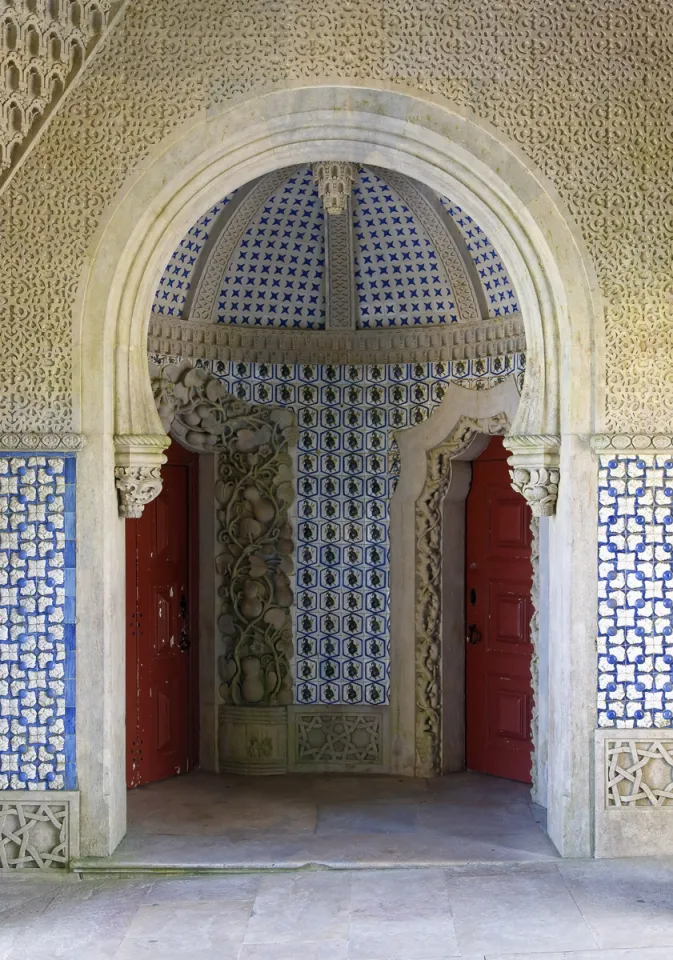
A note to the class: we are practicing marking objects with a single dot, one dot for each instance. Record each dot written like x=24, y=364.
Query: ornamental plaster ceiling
x=261, y=258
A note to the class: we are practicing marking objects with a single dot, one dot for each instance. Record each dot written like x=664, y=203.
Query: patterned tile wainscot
x=635, y=570
x=37, y=622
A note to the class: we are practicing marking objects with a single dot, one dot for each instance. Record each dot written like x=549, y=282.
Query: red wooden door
x=498, y=612
x=161, y=656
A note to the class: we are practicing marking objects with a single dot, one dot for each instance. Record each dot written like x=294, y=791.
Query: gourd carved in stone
x=254, y=492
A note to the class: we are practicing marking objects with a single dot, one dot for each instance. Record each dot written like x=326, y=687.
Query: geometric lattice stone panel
x=346, y=738
x=639, y=773
x=37, y=622
x=38, y=833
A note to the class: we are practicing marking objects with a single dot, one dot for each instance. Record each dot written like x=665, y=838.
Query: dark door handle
x=473, y=634
x=183, y=606
x=184, y=642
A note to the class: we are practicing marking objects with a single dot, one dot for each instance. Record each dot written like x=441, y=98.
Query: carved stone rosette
x=534, y=469
x=138, y=461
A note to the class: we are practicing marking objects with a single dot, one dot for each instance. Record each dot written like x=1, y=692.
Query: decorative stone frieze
x=632, y=443
x=42, y=442
x=38, y=831
x=456, y=341
x=534, y=469
x=335, y=179
x=429, y=587
x=138, y=461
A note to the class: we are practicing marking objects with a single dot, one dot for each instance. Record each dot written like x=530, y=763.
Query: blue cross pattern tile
x=635, y=591
x=348, y=466
x=37, y=622
x=397, y=271
x=175, y=282
x=497, y=286
x=275, y=276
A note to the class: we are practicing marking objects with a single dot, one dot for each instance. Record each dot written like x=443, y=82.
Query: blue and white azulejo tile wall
x=635, y=582
x=347, y=471
x=37, y=621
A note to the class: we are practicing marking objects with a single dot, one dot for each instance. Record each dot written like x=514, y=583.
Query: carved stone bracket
x=138, y=461
x=535, y=470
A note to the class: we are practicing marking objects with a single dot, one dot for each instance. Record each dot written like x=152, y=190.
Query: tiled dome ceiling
x=276, y=237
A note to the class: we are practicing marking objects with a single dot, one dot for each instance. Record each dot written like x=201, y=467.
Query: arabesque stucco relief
x=582, y=88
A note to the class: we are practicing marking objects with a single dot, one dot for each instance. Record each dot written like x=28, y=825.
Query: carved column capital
x=138, y=460
x=534, y=469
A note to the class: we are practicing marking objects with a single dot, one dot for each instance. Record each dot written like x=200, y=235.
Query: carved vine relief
x=254, y=491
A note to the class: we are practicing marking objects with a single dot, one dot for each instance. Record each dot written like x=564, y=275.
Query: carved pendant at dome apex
x=335, y=179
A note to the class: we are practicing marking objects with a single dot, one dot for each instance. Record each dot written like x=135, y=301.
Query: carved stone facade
x=428, y=587
x=255, y=558
x=479, y=57
x=254, y=491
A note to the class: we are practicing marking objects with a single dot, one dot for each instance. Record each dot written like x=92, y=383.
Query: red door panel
x=498, y=609
x=161, y=635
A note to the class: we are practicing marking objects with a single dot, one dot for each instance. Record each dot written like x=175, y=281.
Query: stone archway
x=433, y=142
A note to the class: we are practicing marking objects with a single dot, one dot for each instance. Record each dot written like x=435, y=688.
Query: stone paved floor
x=484, y=882
x=345, y=821
x=563, y=910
